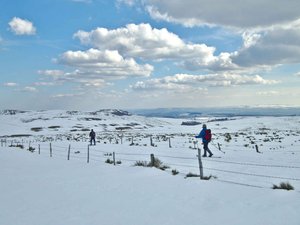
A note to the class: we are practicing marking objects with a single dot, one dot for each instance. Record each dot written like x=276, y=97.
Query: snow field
x=39, y=189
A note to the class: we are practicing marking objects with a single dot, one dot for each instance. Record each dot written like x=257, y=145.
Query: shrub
x=286, y=186
x=191, y=175
x=164, y=167
x=203, y=178
x=31, y=149
x=36, y=129
x=54, y=127
x=227, y=137
x=109, y=161
x=17, y=145
x=156, y=163
x=20, y=146
x=141, y=163
x=175, y=172
x=206, y=178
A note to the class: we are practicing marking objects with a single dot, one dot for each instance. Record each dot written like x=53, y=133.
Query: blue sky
x=92, y=54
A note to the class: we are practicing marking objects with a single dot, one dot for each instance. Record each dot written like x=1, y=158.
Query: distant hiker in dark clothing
x=92, y=137
x=205, y=134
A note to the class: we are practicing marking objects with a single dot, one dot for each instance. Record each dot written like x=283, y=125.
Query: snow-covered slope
x=255, y=154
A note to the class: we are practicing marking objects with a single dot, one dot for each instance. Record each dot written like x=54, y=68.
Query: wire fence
x=187, y=164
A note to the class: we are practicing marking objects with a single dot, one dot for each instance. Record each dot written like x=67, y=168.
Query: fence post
x=88, y=154
x=256, y=147
x=152, y=160
x=69, y=150
x=170, y=142
x=200, y=163
x=50, y=150
x=114, y=158
x=132, y=140
x=39, y=149
x=151, y=141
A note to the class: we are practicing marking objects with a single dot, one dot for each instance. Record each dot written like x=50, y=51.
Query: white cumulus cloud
x=10, y=84
x=187, y=81
x=22, y=26
x=276, y=46
x=143, y=41
x=29, y=89
x=96, y=63
x=241, y=15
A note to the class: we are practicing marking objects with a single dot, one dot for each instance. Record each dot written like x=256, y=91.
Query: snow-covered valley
x=107, y=184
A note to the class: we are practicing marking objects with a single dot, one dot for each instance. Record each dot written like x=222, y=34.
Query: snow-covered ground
x=38, y=189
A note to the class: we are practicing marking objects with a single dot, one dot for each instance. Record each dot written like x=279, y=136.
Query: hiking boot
x=211, y=155
x=203, y=155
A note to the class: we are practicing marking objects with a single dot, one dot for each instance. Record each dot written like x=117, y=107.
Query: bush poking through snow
x=109, y=161
x=31, y=149
x=286, y=186
x=175, y=172
x=141, y=163
x=227, y=137
x=36, y=129
x=17, y=145
x=164, y=167
x=156, y=163
x=196, y=175
x=191, y=175
x=206, y=177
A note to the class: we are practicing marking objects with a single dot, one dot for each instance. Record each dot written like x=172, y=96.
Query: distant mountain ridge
x=116, y=112
x=182, y=112
x=218, y=112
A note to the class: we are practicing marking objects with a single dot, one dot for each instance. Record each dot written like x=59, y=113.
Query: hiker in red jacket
x=205, y=134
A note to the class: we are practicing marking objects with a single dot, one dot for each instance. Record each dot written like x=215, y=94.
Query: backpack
x=207, y=135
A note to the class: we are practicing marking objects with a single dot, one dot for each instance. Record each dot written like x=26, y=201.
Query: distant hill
x=226, y=111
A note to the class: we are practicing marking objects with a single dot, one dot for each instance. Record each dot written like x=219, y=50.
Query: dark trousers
x=93, y=140
x=206, y=149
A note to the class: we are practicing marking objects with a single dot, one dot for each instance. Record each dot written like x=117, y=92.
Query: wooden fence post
x=69, y=150
x=152, y=160
x=39, y=149
x=170, y=142
x=88, y=154
x=256, y=147
x=50, y=150
x=151, y=141
x=114, y=158
x=200, y=163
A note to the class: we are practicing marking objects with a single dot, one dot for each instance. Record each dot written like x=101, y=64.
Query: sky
x=130, y=54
